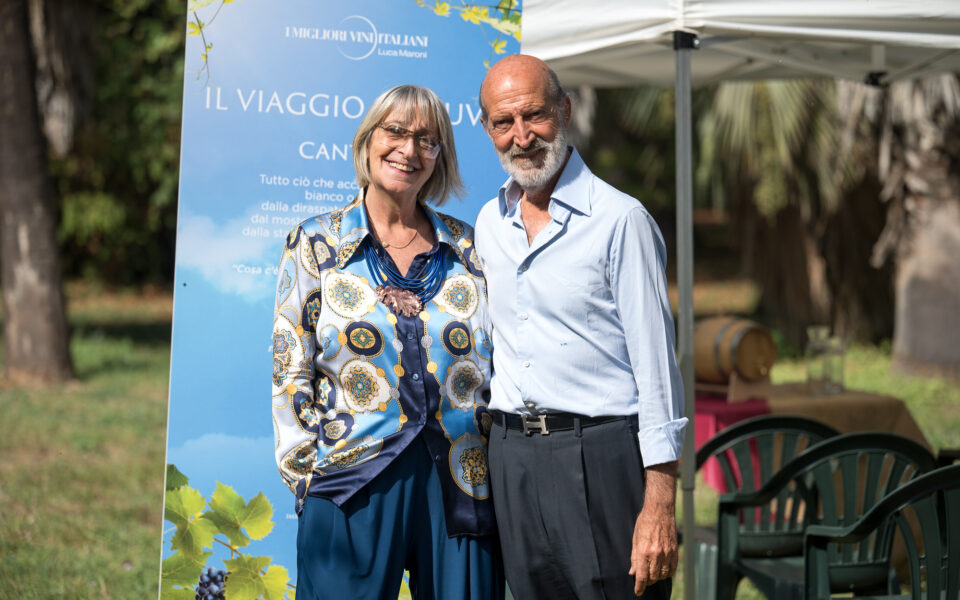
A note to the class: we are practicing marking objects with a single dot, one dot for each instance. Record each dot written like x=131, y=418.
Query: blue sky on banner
x=268, y=122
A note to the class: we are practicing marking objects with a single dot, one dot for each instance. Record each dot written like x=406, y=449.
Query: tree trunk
x=927, y=334
x=921, y=168
x=863, y=303
x=62, y=33
x=787, y=266
x=35, y=336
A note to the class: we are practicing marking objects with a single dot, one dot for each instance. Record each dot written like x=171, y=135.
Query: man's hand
x=654, y=555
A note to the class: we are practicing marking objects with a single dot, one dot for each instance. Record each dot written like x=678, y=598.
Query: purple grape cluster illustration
x=211, y=585
x=224, y=521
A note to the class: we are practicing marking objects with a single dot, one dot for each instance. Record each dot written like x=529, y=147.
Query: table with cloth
x=849, y=411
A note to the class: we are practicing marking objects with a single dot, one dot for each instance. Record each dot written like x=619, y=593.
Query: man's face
x=526, y=126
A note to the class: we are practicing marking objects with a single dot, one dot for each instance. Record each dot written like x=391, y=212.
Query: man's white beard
x=534, y=178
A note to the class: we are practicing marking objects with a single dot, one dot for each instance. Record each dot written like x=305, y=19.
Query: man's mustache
x=525, y=151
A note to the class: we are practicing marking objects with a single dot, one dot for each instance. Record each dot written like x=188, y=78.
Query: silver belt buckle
x=536, y=424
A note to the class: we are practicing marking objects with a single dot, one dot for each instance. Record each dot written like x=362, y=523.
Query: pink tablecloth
x=713, y=414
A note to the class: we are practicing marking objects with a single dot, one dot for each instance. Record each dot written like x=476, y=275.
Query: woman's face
x=398, y=166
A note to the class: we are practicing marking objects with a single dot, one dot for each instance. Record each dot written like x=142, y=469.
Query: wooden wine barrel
x=724, y=345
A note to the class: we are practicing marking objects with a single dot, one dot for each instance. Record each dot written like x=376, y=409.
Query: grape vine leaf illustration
x=197, y=27
x=175, y=479
x=195, y=5
x=181, y=570
x=250, y=578
x=199, y=523
x=504, y=18
x=194, y=532
x=240, y=520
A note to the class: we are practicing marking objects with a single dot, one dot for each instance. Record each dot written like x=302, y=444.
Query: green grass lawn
x=81, y=465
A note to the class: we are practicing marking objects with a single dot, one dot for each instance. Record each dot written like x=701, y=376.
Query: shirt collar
x=572, y=188
x=350, y=226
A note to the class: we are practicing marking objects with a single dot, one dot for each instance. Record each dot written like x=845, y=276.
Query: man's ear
x=566, y=111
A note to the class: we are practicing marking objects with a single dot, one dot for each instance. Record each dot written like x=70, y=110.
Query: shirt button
x=524, y=316
x=410, y=336
x=526, y=365
x=524, y=267
x=416, y=376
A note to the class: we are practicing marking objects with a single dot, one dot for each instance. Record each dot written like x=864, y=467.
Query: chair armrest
x=832, y=533
x=947, y=456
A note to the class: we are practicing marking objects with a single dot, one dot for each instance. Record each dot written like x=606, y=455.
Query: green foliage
x=253, y=577
x=119, y=183
x=772, y=142
x=777, y=138
x=175, y=479
x=504, y=18
x=227, y=515
x=180, y=574
x=232, y=516
x=194, y=531
x=632, y=145
x=197, y=27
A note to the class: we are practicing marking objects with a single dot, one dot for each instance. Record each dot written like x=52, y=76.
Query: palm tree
x=804, y=205
x=845, y=199
x=918, y=159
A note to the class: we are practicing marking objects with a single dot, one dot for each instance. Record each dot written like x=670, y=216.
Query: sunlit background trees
x=840, y=200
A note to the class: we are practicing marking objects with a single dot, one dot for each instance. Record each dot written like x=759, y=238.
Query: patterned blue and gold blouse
x=354, y=384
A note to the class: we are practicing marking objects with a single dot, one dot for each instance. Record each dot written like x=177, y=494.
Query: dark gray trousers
x=566, y=506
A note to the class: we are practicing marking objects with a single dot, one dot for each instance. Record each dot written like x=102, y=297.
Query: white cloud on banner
x=229, y=260
x=239, y=462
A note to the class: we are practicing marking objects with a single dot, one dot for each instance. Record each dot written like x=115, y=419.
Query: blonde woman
x=381, y=373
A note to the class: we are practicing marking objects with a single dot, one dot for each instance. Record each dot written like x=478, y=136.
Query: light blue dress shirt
x=581, y=318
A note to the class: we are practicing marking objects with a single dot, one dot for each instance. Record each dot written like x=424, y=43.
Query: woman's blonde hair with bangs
x=410, y=102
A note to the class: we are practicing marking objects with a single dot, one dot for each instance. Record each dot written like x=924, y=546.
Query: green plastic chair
x=926, y=512
x=749, y=453
x=833, y=483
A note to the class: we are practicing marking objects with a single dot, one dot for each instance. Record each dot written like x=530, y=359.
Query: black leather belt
x=544, y=424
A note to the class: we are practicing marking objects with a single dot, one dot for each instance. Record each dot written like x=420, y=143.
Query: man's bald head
x=526, y=113
x=530, y=68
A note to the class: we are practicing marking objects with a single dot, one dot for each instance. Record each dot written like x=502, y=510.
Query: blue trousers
x=360, y=550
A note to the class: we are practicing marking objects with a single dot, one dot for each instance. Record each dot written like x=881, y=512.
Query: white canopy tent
x=620, y=43
x=616, y=43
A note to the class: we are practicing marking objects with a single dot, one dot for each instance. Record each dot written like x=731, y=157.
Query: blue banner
x=273, y=94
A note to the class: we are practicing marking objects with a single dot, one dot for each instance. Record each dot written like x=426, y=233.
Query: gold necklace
x=410, y=241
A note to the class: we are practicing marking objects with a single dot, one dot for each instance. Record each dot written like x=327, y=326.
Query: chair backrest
x=836, y=482
x=751, y=451
x=926, y=512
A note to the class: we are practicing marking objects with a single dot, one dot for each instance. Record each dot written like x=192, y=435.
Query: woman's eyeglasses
x=397, y=135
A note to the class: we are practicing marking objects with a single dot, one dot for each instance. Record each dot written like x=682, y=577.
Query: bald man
x=587, y=400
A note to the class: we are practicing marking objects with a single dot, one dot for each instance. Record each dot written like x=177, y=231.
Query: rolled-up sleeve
x=639, y=286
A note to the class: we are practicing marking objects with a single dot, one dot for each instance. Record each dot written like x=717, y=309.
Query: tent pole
x=683, y=44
